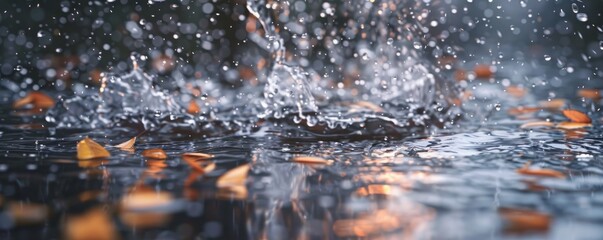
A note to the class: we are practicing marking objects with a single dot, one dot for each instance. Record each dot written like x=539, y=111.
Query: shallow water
x=404, y=151
x=456, y=184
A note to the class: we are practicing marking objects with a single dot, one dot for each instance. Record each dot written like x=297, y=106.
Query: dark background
x=52, y=44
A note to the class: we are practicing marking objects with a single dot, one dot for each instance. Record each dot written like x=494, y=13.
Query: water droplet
x=417, y=45
x=582, y=17
x=547, y=58
x=390, y=41
x=601, y=45
x=574, y=7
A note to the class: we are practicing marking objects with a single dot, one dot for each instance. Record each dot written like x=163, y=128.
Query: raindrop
x=417, y=45
x=364, y=56
x=574, y=7
x=582, y=17
x=601, y=45
x=547, y=58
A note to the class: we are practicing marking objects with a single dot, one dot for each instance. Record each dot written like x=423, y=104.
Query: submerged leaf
x=93, y=224
x=234, y=177
x=88, y=149
x=127, y=145
x=146, y=208
x=27, y=213
x=572, y=125
x=232, y=183
x=523, y=221
x=537, y=124
x=37, y=99
x=576, y=116
x=374, y=223
x=525, y=170
x=155, y=153
x=311, y=160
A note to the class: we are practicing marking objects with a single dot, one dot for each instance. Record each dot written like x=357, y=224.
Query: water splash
x=287, y=85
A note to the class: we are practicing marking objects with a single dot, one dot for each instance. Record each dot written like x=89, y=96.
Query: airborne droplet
x=574, y=7
x=582, y=17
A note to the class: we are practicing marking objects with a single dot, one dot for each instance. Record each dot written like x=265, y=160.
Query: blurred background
x=67, y=44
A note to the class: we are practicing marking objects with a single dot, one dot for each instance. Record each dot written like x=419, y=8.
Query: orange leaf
x=593, y=94
x=572, y=125
x=522, y=221
x=93, y=224
x=204, y=167
x=127, y=145
x=155, y=153
x=143, y=208
x=311, y=160
x=193, y=107
x=483, y=71
x=460, y=75
x=197, y=156
x=553, y=104
x=88, y=149
x=576, y=116
x=537, y=124
x=27, y=213
x=522, y=110
x=516, y=91
x=525, y=170
x=37, y=99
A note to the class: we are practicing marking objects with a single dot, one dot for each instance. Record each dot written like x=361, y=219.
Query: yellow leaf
x=144, y=208
x=367, y=105
x=234, y=177
x=155, y=153
x=88, y=149
x=311, y=160
x=127, y=145
x=576, y=116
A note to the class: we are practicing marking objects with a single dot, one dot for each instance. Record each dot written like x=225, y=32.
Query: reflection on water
x=255, y=187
